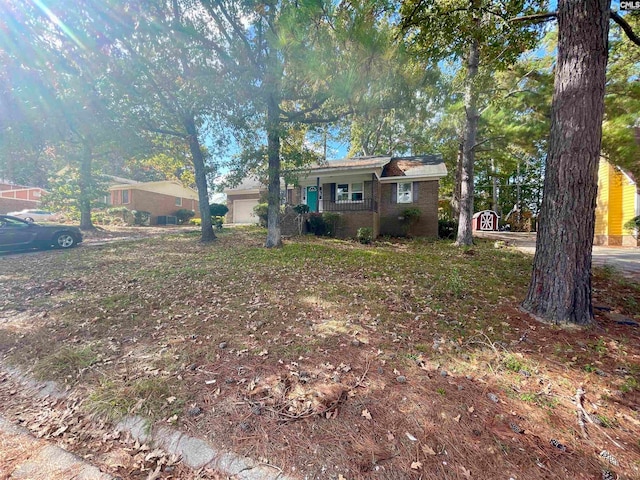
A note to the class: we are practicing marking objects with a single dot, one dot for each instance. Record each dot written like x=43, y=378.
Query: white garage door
x=243, y=211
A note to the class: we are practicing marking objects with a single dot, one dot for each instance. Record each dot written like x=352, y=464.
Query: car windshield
x=12, y=223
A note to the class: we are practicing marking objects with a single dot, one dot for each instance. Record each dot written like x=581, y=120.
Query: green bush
x=316, y=224
x=218, y=210
x=333, y=222
x=365, y=235
x=184, y=215
x=633, y=223
x=301, y=209
x=141, y=217
x=195, y=221
x=447, y=229
x=262, y=212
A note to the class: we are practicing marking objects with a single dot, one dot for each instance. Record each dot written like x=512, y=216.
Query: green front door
x=312, y=198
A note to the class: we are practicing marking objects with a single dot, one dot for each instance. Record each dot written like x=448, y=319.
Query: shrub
x=365, y=235
x=184, y=215
x=195, y=221
x=218, y=210
x=333, y=222
x=301, y=209
x=317, y=225
x=633, y=223
x=447, y=229
x=141, y=217
x=262, y=212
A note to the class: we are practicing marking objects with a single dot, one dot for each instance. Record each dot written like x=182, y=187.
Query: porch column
x=317, y=194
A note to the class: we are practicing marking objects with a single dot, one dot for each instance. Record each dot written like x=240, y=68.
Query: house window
x=405, y=192
x=178, y=201
x=342, y=192
x=350, y=192
x=125, y=197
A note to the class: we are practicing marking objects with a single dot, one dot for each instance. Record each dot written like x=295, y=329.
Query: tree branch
x=164, y=131
x=625, y=27
x=537, y=18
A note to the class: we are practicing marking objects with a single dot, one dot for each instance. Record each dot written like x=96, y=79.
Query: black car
x=18, y=234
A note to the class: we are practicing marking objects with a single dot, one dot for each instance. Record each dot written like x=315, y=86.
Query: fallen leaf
x=427, y=450
x=416, y=465
x=465, y=472
x=470, y=409
x=365, y=413
x=457, y=418
x=170, y=400
x=411, y=437
x=390, y=436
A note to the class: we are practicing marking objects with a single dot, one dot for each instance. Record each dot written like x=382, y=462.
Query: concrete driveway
x=624, y=259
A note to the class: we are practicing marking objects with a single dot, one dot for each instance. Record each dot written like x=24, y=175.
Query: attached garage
x=243, y=211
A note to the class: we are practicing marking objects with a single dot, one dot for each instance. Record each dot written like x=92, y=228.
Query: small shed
x=486, y=220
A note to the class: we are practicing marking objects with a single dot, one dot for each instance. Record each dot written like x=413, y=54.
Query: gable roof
x=418, y=166
x=423, y=166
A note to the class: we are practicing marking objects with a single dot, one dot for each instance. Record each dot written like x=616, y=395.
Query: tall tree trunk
x=465, y=232
x=494, y=189
x=273, y=153
x=84, y=183
x=455, y=197
x=560, y=289
x=207, y=233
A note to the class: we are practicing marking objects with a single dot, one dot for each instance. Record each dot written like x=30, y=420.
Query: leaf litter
x=295, y=357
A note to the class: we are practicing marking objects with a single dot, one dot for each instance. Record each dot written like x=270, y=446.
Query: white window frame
x=405, y=196
x=178, y=201
x=349, y=193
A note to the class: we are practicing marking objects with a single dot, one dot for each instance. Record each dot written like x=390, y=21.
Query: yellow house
x=618, y=202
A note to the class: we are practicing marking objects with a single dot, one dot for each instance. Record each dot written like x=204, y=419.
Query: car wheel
x=28, y=219
x=64, y=240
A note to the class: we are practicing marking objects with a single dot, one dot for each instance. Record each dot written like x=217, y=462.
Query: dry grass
x=328, y=358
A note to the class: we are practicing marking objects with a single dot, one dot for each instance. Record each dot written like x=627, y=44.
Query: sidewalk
x=22, y=456
x=626, y=260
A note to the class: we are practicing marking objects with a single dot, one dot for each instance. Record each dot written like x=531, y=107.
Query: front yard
x=326, y=358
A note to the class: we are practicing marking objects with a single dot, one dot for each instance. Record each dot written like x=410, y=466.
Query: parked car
x=31, y=215
x=19, y=234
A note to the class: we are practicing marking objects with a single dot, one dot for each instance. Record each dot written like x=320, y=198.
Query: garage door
x=243, y=211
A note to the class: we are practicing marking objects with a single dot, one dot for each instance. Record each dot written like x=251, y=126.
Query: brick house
x=373, y=192
x=161, y=198
x=19, y=197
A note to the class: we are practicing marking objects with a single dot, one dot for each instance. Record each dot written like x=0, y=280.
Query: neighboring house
x=19, y=197
x=242, y=198
x=161, y=198
x=371, y=192
x=618, y=202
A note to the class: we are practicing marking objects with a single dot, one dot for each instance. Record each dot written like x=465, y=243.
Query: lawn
x=404, y=359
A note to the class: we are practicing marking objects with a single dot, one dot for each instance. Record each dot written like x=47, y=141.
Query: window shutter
x=333, y=193
x=415, y=191
x=394, y=193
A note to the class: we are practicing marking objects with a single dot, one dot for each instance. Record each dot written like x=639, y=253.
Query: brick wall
x=427, y=203
x=159, y=204
x=352, y=221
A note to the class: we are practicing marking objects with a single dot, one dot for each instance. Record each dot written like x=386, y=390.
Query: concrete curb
x=197, y=453
x=45, y=461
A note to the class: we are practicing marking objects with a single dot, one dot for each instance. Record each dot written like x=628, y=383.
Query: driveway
x=624, y=259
